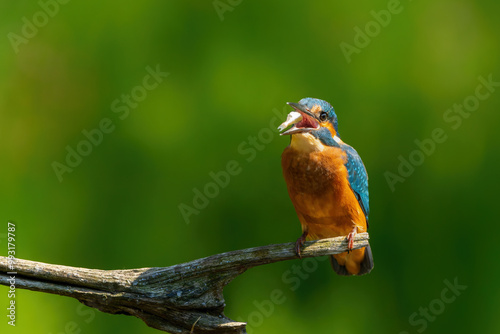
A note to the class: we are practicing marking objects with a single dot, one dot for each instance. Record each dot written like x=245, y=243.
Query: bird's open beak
x=301, y=119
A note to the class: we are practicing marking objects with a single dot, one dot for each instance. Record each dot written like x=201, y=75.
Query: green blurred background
x=230, y=73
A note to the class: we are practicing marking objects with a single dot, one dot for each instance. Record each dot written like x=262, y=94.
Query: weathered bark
x=184, y=298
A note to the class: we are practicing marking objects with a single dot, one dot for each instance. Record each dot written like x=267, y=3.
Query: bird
x=327, y=183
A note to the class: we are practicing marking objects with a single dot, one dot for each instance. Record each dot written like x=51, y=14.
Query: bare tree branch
x=184, y=298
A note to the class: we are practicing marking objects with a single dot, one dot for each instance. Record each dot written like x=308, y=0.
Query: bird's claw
x=350, y=239
x=299, y=243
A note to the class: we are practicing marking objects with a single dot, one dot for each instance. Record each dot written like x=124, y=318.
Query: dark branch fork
x=184, y=298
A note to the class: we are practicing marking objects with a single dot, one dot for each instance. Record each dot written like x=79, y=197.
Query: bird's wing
x=358, y=178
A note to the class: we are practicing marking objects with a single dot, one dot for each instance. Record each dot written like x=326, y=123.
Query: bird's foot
x=299, y=243
x=350, y=239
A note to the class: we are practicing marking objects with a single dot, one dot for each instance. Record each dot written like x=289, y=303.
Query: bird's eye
x=323, y=116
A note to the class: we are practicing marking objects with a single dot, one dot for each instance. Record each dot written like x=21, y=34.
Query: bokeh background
x=231, y=70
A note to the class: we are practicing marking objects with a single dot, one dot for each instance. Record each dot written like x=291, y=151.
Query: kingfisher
x=327, y=183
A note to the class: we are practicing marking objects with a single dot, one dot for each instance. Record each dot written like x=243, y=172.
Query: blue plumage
x=358, y=178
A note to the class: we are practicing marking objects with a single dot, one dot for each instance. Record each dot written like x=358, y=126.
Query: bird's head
x=312, y=116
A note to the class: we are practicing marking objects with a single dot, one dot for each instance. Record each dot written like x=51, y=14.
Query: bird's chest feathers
x=315, y=175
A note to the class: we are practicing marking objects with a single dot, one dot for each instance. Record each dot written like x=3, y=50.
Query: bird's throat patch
x=306, y=142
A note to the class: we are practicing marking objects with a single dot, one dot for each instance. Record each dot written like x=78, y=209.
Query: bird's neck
x=306, y=143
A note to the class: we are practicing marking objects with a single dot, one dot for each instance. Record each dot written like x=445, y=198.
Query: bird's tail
x=345, y=264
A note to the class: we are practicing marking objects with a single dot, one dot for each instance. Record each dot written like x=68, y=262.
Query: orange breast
x=318, y=186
